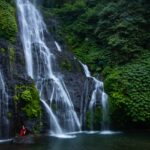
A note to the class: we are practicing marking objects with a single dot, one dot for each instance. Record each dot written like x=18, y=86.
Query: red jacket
x=22, y=132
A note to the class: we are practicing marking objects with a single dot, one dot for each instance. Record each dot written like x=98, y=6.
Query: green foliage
x=70, y=12
x=55, y=3
x=11, y=54
x=10, y=115
x=120, y=29
x=2, y=50
x=78, y=22
x=128, y=88
x=8, y=24
x=37, y=128
x=27, y=100
x=66, y=65
x=107, y=33
x=97, y=117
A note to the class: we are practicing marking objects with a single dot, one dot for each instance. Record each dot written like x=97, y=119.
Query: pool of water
x=86, y=141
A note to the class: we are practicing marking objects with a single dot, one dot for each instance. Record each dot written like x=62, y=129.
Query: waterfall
x=58, y=47
x=4, y=122
x=39, y=65
x=103, y=99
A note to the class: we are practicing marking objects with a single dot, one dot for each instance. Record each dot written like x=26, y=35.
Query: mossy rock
x=97, y=117
x=2, y=50
x=8, y=24
x=12, y=54
x=66, y=65
x=27, y=100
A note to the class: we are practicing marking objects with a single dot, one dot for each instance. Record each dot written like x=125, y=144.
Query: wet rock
x=24, y=140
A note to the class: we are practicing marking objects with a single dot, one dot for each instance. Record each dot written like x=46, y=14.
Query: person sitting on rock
x=22, y=131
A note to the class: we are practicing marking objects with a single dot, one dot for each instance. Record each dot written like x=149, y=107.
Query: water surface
x=86, y=141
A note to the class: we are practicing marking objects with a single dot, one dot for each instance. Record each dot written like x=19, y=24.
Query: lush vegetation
x=8, y=24
x=128, y=87
x=27, y=101
x=108, y=33
x=112, y=37
x=27, y=107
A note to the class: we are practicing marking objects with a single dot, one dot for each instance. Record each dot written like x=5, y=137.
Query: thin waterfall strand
x=98, y=88
x=4, y=102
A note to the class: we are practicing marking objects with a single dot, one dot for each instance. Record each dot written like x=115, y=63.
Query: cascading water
x=103, y=99
x=39, y=58
x=4, y=100
x=58, y=47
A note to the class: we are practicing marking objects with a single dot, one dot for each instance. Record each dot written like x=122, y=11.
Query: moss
x=54, y=107
x=2, y=50
x=97, y=117
x=10, y=115
x=88, y=120
x=66, y=65
x=37, y=128
x=10, y=51
x=8, y=24
x=11, y=54
x=27, y=100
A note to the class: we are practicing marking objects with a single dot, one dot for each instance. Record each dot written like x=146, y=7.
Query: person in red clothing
x=22, y=131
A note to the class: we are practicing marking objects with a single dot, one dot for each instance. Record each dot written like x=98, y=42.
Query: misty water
x=87, y=141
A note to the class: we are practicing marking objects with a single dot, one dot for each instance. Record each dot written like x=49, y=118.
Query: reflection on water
x=85, y=141
x=110, y=132
x=63, y=136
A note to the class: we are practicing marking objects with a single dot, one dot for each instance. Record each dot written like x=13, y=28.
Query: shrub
x=8, y=24
x=27, y=100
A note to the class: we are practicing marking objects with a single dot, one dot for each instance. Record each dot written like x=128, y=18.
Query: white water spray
x=39, y=58
x=4, y=101
x=58, y=47
x=98, y=89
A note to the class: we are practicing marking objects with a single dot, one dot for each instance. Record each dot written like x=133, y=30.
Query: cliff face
x=12, y=67
x=24, y=105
